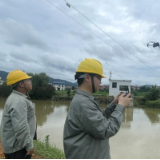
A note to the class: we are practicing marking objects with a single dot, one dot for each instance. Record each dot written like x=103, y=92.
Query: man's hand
x=115, y=101
x=30, y=152
x=124, y=101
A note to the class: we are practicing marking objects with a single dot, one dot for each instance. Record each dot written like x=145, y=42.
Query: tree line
x=41, y=89
x=151, y=98
x=147, y=92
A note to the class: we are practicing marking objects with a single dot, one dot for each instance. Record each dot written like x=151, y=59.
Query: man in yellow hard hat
x=18, y=125
x=87, y=129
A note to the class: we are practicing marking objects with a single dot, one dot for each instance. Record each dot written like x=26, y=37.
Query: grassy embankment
x=72, y=93
x=47, y=151
x=42, y=150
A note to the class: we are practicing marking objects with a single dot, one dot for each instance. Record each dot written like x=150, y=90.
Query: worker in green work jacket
x=87, y=128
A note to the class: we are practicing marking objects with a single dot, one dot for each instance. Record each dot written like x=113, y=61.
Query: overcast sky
x=48, y=36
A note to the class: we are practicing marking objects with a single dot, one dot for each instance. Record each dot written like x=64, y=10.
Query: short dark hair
x=79, y=80
x=16, y=85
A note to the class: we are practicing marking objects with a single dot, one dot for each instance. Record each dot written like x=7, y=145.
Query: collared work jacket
x=87, y=129
x=18, y=123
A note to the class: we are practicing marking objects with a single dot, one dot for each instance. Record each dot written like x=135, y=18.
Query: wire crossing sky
x=125, y=49
x=35, y=36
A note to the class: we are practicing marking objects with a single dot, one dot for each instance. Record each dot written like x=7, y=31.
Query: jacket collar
x=23, y=95
x=78, y=91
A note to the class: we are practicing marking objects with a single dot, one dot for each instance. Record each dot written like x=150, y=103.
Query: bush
x=49, y=91
x=40, y=87
x=152, y=95
x=152, y=104
x=5, y=90
x=68, y=92
x=139, y=100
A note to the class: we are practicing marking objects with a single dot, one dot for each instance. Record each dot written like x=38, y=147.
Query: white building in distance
x=117, y=86
x=1, y=82
x=59, y=85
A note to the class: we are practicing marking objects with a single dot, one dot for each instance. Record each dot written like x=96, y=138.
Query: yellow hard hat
x=16, y=76
x=90, y=65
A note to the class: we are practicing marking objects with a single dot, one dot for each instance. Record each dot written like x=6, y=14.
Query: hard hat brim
x=13, y=82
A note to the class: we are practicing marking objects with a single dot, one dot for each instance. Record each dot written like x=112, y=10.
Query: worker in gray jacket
x=18, y=125
x=87, y=129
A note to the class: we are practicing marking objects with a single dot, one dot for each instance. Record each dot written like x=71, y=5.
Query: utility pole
x=110, y=75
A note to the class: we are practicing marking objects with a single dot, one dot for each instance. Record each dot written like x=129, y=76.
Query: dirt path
x=2, y=155
x=1, y=152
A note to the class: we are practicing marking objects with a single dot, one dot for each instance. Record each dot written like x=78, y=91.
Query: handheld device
x=127, y=92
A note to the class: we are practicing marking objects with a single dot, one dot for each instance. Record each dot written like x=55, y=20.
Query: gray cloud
x=21, y=34
x=57, y=62
x=101, y=51
x=83, y=34
x=3, y=56
x=22, y=57
x=37, y=37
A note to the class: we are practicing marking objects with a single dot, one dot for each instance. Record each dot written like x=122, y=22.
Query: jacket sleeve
x=21, y=126
x=109, y=109
x=97, y=125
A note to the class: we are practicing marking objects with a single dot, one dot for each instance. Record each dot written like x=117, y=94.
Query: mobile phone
x=127, y=92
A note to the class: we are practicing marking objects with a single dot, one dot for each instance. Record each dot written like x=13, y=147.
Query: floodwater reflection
x=127, y=117
x=45, y=108
x=2, y=102
x=153, y=115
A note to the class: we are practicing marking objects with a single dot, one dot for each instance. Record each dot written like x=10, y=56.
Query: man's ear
x=21, y=84
x=87, y=77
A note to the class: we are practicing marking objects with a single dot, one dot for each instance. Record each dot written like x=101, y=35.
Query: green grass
x=139, y=94
x=46, y=150
x=63, y=93
x=158, y=100
x=100, y=93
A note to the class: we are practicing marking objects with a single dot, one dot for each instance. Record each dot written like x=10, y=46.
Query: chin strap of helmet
x=92, y=80
x=17, y=84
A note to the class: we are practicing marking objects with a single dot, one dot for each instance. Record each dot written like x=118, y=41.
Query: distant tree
x=39, y=94
x=49, y=91
x=5, y=90
x=153, y=94
x=68, y=92
x=144, y=89
x=40, y=87
x=73, y=87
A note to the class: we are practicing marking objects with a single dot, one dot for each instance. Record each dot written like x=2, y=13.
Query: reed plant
x=47, y=150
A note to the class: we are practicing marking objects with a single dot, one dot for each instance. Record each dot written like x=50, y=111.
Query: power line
x=69, y=5
x=91, y=31
x=78, y=23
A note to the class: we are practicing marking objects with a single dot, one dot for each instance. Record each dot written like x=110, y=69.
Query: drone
x=154, y=44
